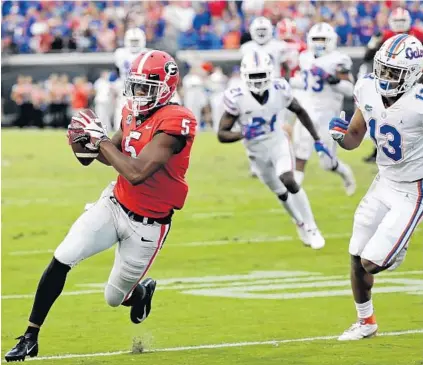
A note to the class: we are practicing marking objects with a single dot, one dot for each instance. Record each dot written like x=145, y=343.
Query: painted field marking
x=247, y=285
x=215, y=346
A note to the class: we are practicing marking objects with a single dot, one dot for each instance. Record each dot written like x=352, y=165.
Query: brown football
x=84, y=155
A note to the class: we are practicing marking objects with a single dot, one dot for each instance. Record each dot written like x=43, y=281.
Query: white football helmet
x=400, y=20
x=398, y=65
x=261, y=30
x=134, y=40
x=256, y=71
x=322, y=39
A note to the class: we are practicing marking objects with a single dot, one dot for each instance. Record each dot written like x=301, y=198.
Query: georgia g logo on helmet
x=171, y=68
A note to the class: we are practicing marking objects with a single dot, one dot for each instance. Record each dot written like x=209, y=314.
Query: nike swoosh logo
x=29, y=350
x=143, y=316
x=144, y=240
x=148, y=127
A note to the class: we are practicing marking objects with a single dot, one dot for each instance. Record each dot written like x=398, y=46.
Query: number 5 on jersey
x=185, y=127
x=131, y=149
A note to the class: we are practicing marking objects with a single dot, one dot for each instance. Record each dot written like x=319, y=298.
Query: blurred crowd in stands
x=96, y=26
x=51, y=101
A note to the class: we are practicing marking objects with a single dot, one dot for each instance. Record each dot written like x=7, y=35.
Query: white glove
x=93, y=130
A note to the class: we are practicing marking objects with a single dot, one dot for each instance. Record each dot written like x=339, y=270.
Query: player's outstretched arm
x=152, y=157
x=117, y=141
x=224, y=134
x=304, y=118
x=348, y=135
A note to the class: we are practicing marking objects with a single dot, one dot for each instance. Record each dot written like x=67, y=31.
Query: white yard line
x=209, y=281
x=215, y=346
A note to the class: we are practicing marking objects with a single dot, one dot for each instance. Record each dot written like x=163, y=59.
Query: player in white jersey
x=134, y=43
x=325, y=78
x=261, y=31
x=389, y=105
x=255, y=106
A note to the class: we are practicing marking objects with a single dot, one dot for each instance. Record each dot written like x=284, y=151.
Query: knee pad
x=114, y=297
x=289, y=181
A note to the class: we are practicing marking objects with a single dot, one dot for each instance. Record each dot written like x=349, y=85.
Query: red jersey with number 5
x=167, y=189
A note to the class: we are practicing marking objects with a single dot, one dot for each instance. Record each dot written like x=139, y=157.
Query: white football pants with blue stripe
x=385, y=220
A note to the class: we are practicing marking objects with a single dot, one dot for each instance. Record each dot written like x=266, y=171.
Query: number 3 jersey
x=263, y=117
x=320, y=98
x=397, y=131
x=166, y=189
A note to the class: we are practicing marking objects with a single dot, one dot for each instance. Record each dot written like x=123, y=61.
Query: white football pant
x=270, y=159
x=99, y=228
x=385, y=220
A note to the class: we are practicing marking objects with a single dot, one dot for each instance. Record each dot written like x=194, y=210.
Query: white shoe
x=399, y=259
x=316, y=239
x=358, y=331
x=303, y=234
x=350, y=185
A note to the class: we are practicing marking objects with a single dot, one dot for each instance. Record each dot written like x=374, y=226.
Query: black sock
x=49, y=288
x=137, y=294
x=32, y=332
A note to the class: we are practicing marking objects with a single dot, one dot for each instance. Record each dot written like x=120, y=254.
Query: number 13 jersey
x=397, y=131
x=167, y=189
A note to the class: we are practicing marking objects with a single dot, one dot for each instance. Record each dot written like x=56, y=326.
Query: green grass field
x=235, y=285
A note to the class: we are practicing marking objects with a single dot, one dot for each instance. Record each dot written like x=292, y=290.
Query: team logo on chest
x=129, y=119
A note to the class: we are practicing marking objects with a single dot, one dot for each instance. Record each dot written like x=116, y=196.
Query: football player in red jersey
x=151, y=154
x=287, y=31
x=399, y=22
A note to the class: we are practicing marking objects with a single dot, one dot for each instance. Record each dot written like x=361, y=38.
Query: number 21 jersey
x=397, y=131
x=167, y=189
x=263, y=117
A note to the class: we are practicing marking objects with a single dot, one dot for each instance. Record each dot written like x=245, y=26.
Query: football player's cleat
x=303, y=234
x=316, y=239
x=141, y=309
x=27, y=346
x=359, y=330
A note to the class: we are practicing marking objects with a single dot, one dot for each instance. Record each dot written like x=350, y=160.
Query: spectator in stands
x=188, y=39
x=207, y=39
x=81, y=94
x=202, y=17
x=21, y=95
x=344, y=30
x=91, y=26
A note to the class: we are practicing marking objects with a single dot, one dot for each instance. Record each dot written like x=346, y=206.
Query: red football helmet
x=151, y=81
x=286, y=29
